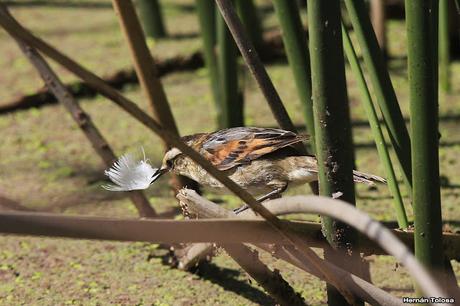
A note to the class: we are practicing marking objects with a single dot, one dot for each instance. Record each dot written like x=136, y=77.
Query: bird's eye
x=169, y=163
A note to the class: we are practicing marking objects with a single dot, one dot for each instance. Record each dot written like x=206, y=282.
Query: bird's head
x=168, y=163
x=170, y=160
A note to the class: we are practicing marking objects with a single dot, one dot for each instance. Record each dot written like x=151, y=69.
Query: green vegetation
x=250, y=18
x=422, y=31
x=206, y=11
x=444, y=46
x=231, y=100
x=334, y=148
x=376, y=130
x=151, y=17
x=296, y=45
x=383, y=87
x=46, y=164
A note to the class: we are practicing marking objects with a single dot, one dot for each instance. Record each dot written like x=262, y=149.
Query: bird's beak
x=159, y=173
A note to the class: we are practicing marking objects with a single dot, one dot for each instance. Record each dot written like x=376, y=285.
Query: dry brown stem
x=362, y=222
x=147, y=74
x=199, y=206
x=83, y=121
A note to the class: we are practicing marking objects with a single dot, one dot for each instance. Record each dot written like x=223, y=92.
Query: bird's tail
x=369, y=179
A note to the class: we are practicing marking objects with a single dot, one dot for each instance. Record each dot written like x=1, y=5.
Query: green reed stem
x=296, y=44
x=376, y=130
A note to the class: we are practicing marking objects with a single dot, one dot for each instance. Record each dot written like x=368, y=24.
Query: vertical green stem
x=207, y=17
x=444, y=58
x=421, y=22
x=381, y=82
x=257, y=69
x=332, y=124
x=251, y=21
x=232, y=106
x=152, y=18
x=376, y=130
x=295, y=42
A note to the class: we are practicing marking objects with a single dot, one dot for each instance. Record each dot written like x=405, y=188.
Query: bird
x=263, y=161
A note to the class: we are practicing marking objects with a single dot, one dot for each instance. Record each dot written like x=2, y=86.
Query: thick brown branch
x=374, y=230
x=192, y=254
x=204, y=208
x=249, y=260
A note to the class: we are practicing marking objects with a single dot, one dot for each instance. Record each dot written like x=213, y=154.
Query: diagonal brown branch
x=144, y=64
x=16, y=30
x=343, y=212
x=248, y=259
x=147, y=73
x=199, y=206
x=278, y=288
x=83, y=121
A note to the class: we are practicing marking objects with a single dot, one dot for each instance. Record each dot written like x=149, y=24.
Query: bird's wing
x=235, y=146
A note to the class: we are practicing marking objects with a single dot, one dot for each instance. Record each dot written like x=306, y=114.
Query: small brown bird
x=261, y=160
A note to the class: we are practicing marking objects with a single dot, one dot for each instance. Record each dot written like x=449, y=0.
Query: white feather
x=128, y=174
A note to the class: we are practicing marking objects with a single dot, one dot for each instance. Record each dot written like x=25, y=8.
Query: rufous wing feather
x=232, y=147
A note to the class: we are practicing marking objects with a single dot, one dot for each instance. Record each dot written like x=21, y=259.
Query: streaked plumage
x=261, y=160
x=232, y=147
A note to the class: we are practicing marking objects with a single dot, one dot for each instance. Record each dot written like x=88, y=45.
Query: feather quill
x=127, y=174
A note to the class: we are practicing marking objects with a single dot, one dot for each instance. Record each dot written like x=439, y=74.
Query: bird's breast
x=260, y=174
x=301, y=175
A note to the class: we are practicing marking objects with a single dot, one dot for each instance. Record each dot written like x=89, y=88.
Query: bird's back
x=232, y=147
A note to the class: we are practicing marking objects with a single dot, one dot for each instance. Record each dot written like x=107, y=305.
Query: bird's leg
x=274, y=194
